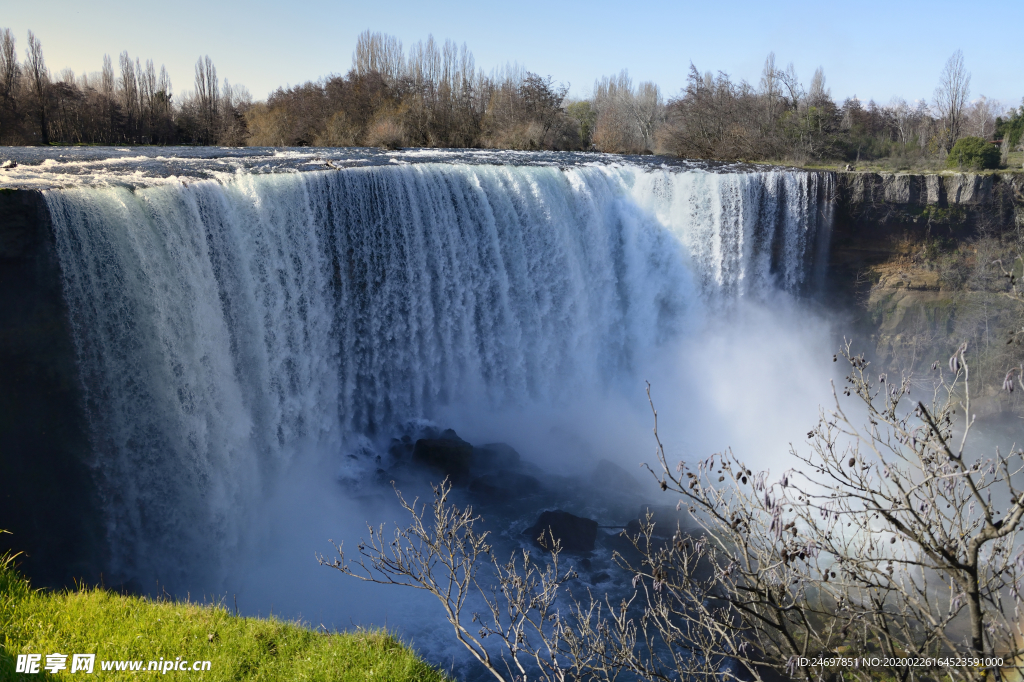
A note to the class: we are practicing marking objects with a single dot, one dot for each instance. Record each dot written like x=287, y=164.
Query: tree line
x=434, y=95
x=779, y=119
x=130, y=103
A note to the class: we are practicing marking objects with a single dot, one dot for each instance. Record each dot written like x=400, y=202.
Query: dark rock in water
x=503, y=486
x=610, y=475
x=495, y=456
x=447, y=453
x=575, y=533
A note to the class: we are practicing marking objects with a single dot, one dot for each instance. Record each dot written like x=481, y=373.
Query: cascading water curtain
x=226, y=329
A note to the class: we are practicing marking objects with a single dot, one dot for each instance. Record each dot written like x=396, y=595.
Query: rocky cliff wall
x=879, y=215
x=47, y=497
x=912, y=256
x=938, y=189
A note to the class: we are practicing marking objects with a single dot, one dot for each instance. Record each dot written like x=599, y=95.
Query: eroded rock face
x=968, y=189
x=575, y=533
x=862, y=188
x=902, y=189
x=935, y=190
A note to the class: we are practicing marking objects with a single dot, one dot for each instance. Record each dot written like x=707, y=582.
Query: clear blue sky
x=871, y=48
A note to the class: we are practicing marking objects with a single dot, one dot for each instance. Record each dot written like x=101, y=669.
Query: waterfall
x=228, y=328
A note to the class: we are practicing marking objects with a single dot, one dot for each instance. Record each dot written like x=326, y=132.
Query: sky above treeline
x=874, y=49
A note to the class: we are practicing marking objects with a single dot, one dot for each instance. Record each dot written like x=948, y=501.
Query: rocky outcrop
x=495, y=456
x=908, y=255
x=574, y=533
x=448, y=454
x=940, y=189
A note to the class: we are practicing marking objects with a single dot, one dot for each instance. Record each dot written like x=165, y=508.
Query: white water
x=233, y=332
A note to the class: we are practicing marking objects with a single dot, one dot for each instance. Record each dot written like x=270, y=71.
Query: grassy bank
x=913, y=165
x=116, y=627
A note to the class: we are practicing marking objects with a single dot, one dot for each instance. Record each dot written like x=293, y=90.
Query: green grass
x=116, y=627
x=917, y=166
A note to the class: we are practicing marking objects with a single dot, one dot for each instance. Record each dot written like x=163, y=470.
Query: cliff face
x=914, y=254
x=879, y=216
x=939, y=190
x=47, y=498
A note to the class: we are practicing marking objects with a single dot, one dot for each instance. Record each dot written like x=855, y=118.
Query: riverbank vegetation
x=433, y=94
x=116, y=627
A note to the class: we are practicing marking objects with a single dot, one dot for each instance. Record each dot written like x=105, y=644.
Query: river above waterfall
x=48, y=167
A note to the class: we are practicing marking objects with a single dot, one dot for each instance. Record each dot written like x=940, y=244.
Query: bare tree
x=887, y=541
x=208, y=99
x=794, y=91
x=128, y=93
x=39, y=80
x=10, y=71
x=887, y=552
x=771, y=88
x=107, y=78
x=379, y=53
x=951, y=97
x=626, y=116
x=109, y=104
x=645, y=105
x=904, y=118
x=981, y=117
x=10, y=86
x=818, y=92
x=445, y=556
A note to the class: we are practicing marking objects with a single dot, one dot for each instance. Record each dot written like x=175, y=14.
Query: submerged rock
x=504, y=485
x=575, y=533
x=401, y=449
x=495, y=456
